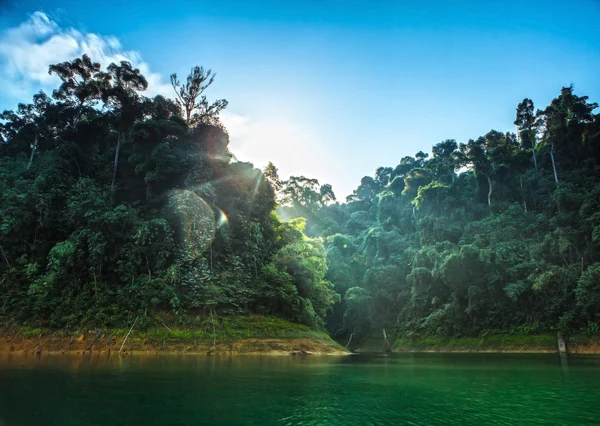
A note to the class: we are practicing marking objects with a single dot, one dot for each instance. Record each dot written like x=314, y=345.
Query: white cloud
x=26, y=52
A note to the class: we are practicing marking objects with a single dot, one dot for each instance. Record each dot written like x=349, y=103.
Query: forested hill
x=115, y=206
x=501, y=233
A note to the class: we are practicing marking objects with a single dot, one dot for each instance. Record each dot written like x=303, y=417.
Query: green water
x=404, y=389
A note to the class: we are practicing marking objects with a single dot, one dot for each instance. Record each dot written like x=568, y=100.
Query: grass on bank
x=489, y=342
x=167, y=329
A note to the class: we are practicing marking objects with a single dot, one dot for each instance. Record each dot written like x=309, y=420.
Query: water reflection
x=564, y=362
x=431, y=389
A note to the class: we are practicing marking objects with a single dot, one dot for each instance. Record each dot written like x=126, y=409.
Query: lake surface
x=400, y=389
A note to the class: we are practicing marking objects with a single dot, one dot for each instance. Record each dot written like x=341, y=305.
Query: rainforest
x=120, y=209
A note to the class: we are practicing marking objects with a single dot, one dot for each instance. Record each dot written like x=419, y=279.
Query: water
x=403, y=389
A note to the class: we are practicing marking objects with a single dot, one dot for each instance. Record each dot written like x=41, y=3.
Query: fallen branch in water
x=124, y=340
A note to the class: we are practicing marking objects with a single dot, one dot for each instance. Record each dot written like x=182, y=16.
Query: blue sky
x=328, y=89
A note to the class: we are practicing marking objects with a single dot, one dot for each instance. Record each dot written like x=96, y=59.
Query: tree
x=306, y=262
x=490, y=156
x=421, y=158
x=562, y=124
x=526, y=124
x=417, y=248
x=191, y=99
x=444, y=159
x=124, y=101
x=271, y=173
x=82, y=83
x=306, y=194
x=190, y=229
x=366, y=192
x=326, y=194
x=473, y=260
x=23, y=127
x=383, y=176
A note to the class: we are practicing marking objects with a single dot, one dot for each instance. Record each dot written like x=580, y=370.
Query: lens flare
x=222, y=220
x=197, y=224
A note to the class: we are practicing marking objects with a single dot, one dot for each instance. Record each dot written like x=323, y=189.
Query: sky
x=325, y=89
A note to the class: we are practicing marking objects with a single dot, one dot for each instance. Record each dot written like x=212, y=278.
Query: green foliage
x=489, y=341
x=196, y=330
x=479, y=237
x=113, y=207
x=305, y=262
x=431, y=195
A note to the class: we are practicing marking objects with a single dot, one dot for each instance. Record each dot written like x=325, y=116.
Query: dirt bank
x=105, y=342
x=252, y=334
x=492, y=344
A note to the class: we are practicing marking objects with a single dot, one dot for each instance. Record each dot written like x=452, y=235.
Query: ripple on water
x=397, y=390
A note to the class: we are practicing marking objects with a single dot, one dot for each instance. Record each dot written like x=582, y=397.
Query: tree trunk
x=114, y=177
x=534, y=157
x=553, y=165
x=33, y=147
x=4, y=256
x=212, y=321
x=388, y=347
x=523, y=194
x=489, y=191
x=349, y=340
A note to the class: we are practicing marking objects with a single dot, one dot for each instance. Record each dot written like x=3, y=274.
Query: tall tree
x=26, y=126
x=563, y=124
x=82, y=84
x=123, y=100
x=271, y=173
x=444, y=161
x=191, y=98
x=525, y=123
x=474, y=154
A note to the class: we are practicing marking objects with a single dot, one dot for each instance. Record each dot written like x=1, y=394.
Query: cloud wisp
x=27, y=50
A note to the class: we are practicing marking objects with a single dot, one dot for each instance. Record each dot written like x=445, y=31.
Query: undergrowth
x=167, y=328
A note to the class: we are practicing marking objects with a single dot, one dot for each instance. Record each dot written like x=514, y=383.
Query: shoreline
x=579, y=350
x=254, y=334
x=536, y=344
x=258, y=335
x=108, y=344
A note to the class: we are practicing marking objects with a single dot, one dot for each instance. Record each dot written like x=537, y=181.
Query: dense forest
x=498, y=234
x=114, y=205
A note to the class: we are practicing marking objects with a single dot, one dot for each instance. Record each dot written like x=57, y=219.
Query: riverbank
x=540, y=343
x=240, y=335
